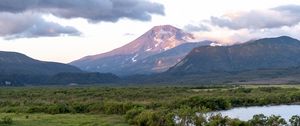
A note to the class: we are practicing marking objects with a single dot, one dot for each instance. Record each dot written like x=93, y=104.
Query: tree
x=186, y=115
x=274, y=120
x=258, y=120
x=218, y=120
x=295, y=120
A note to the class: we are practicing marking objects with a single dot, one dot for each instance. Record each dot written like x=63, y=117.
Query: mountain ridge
x=17, y=63
x=279, y=52
x=156, y=40
x=163, y=61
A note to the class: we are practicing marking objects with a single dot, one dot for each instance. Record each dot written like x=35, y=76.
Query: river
x=246, y=113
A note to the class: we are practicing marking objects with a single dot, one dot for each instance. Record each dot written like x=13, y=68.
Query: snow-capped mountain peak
x=157, y=40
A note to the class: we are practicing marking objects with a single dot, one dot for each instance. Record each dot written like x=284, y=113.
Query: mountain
x=17, y=69
x=157, y=40
x=268, y=53
x=17, y=63
x=163, y=61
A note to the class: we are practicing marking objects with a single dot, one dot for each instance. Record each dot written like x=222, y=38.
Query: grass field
x=65, y=119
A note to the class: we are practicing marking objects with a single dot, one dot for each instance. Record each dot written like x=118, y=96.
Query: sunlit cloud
x=288, y=15
x=196, y=27
x=241, y=26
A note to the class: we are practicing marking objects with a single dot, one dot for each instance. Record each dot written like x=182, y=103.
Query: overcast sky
x=65, y=30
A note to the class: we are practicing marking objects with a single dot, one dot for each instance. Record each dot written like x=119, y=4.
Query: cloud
x=288, y=15
x=196, y=27
x=23, y=18
x=129, y=34
x=28, y=25
x=93, y=10
x=293, y=9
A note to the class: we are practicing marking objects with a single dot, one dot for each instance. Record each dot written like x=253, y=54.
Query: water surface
x=246, y=113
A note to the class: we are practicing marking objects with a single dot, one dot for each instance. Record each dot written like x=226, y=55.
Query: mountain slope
x=156, y=40
x=268, y=53
x=163, y=61
x=17, y=63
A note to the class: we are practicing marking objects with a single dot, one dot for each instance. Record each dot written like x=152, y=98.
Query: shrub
x=7, y=120
x=153, y=118
x=36, y=109
x=117, y=108
x=95, y=107
x=80, y=108
x=274, y=120
x=148, y=118
x=218, y=120
x=210, y=103
x=58, y=109
x=295, y=120
x=258, y=120
x=132, y=113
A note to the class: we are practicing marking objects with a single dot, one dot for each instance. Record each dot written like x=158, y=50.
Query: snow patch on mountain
x=149, y=49
x=133, y=59
x=215, y=44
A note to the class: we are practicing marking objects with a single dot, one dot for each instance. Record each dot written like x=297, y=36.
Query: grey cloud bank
x=93, y=10
x=26, y=25
x=23, y=18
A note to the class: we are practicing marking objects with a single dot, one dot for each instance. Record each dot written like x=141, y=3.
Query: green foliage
x=153, y=118
x=132, y=113
x=37, y=109
x=117, y=108
x=218, y=120
x=258, y=120
x=243, y=90
x=295, y=120
x=211, y=103
x=237, y=122
x=187, y=115
x=150, y=105
x=268, y=89
x=42, y=119
x=6, y=120
x=80, y=108
x=274, y=120
x=58, y=109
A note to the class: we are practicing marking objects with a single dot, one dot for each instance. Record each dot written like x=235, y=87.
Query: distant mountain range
x=267, y=60
x=154, y=51
x=267, y=53
x=164, y=54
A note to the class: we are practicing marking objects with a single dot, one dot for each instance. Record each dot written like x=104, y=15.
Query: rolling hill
x=17, y=63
